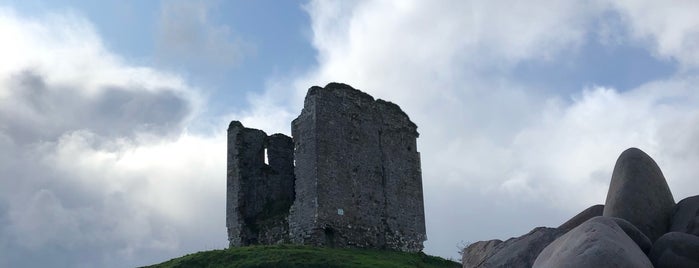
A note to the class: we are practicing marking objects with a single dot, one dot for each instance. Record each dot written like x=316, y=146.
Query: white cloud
x=98, y=166
x=672, y=29
x=494, y=150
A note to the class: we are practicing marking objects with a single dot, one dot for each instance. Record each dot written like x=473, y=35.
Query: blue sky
x=113, y=113
x=274, y=36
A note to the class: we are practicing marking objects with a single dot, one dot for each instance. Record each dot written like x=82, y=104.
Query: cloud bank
x=501, y=156
x=98, y=167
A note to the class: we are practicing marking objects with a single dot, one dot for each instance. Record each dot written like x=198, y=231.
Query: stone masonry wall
x=364, y=188
x=259, y=194
x=352, y=172
x=405, y=217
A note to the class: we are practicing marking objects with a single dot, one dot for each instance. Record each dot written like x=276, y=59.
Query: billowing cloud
x=500, y=156
x=671, y=30
x=99, y=167
x=112, y=111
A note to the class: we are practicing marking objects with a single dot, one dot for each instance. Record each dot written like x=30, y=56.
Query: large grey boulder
x=475, y=254
x=598, y=242
x=639, y=194
x=676, y=250
x=636, y=235
x=686, y=218
x=520, y=251
x=583, y=216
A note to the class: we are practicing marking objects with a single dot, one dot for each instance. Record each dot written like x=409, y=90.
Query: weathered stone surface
x=259, y=194
x=676, y=250
x=598, y=242
x=686, y=217
x=639, y=194
x=358, y=173
x=350, y=177
x=521, y=251
x=583, y=216
x=516, y=255
x=638, y=237
x=475, y=254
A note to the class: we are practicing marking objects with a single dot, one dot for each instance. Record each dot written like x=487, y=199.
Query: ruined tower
x=260, y=186
x=356, y=178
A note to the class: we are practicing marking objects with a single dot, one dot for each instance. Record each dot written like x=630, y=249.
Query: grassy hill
x=305, y=256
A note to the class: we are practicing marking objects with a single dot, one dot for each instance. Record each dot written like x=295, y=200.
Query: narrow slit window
x=266, y=158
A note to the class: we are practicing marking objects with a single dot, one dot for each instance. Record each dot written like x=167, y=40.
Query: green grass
x=305, y=256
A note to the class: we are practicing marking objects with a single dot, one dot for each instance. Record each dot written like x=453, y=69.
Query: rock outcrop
x=521, y=251
x=641, y=240
x=583, y=216
x=598, y=242
x=639, y=226
x=639, y=194
x=477, y=253
x=676, y=250
x=686, y=218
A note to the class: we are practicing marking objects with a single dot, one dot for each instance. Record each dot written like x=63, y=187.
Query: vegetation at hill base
x=305, y=256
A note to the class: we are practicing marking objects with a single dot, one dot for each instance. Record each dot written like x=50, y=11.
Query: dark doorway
x=329, y=236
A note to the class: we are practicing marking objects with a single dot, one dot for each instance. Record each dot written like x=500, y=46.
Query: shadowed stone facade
x=356, y=181
x=259, y=194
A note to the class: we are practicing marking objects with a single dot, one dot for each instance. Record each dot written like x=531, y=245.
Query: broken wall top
x=388, y=109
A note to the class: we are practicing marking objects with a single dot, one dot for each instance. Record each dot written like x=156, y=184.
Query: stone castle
x=349, y=177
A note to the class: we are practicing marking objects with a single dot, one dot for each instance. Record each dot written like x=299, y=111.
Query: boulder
x=475, y=254
x=639, y=194
x=636, y=235
x=583, y=216
x=521, y=251
x=595, y=211
x=598, y=242
x=686, y=217
x=676, y=250
x=515, y=251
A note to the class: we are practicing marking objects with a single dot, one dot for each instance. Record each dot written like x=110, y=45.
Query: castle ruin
x=350, y=177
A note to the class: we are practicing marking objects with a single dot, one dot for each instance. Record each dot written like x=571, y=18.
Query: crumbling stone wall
x=358, y=173
x=357, y=176
x=402, y=187
x=259, y=194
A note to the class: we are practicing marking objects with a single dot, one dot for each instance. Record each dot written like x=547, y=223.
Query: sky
x=113, y=113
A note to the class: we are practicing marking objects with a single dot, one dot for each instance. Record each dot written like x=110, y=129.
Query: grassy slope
x=304, y=256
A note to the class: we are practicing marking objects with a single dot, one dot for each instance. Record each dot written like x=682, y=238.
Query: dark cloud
x=96, y=168
x=40, y=112
x=124, y=112
x=52, y=215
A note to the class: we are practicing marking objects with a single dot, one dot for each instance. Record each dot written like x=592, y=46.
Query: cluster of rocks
x=639, y=226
